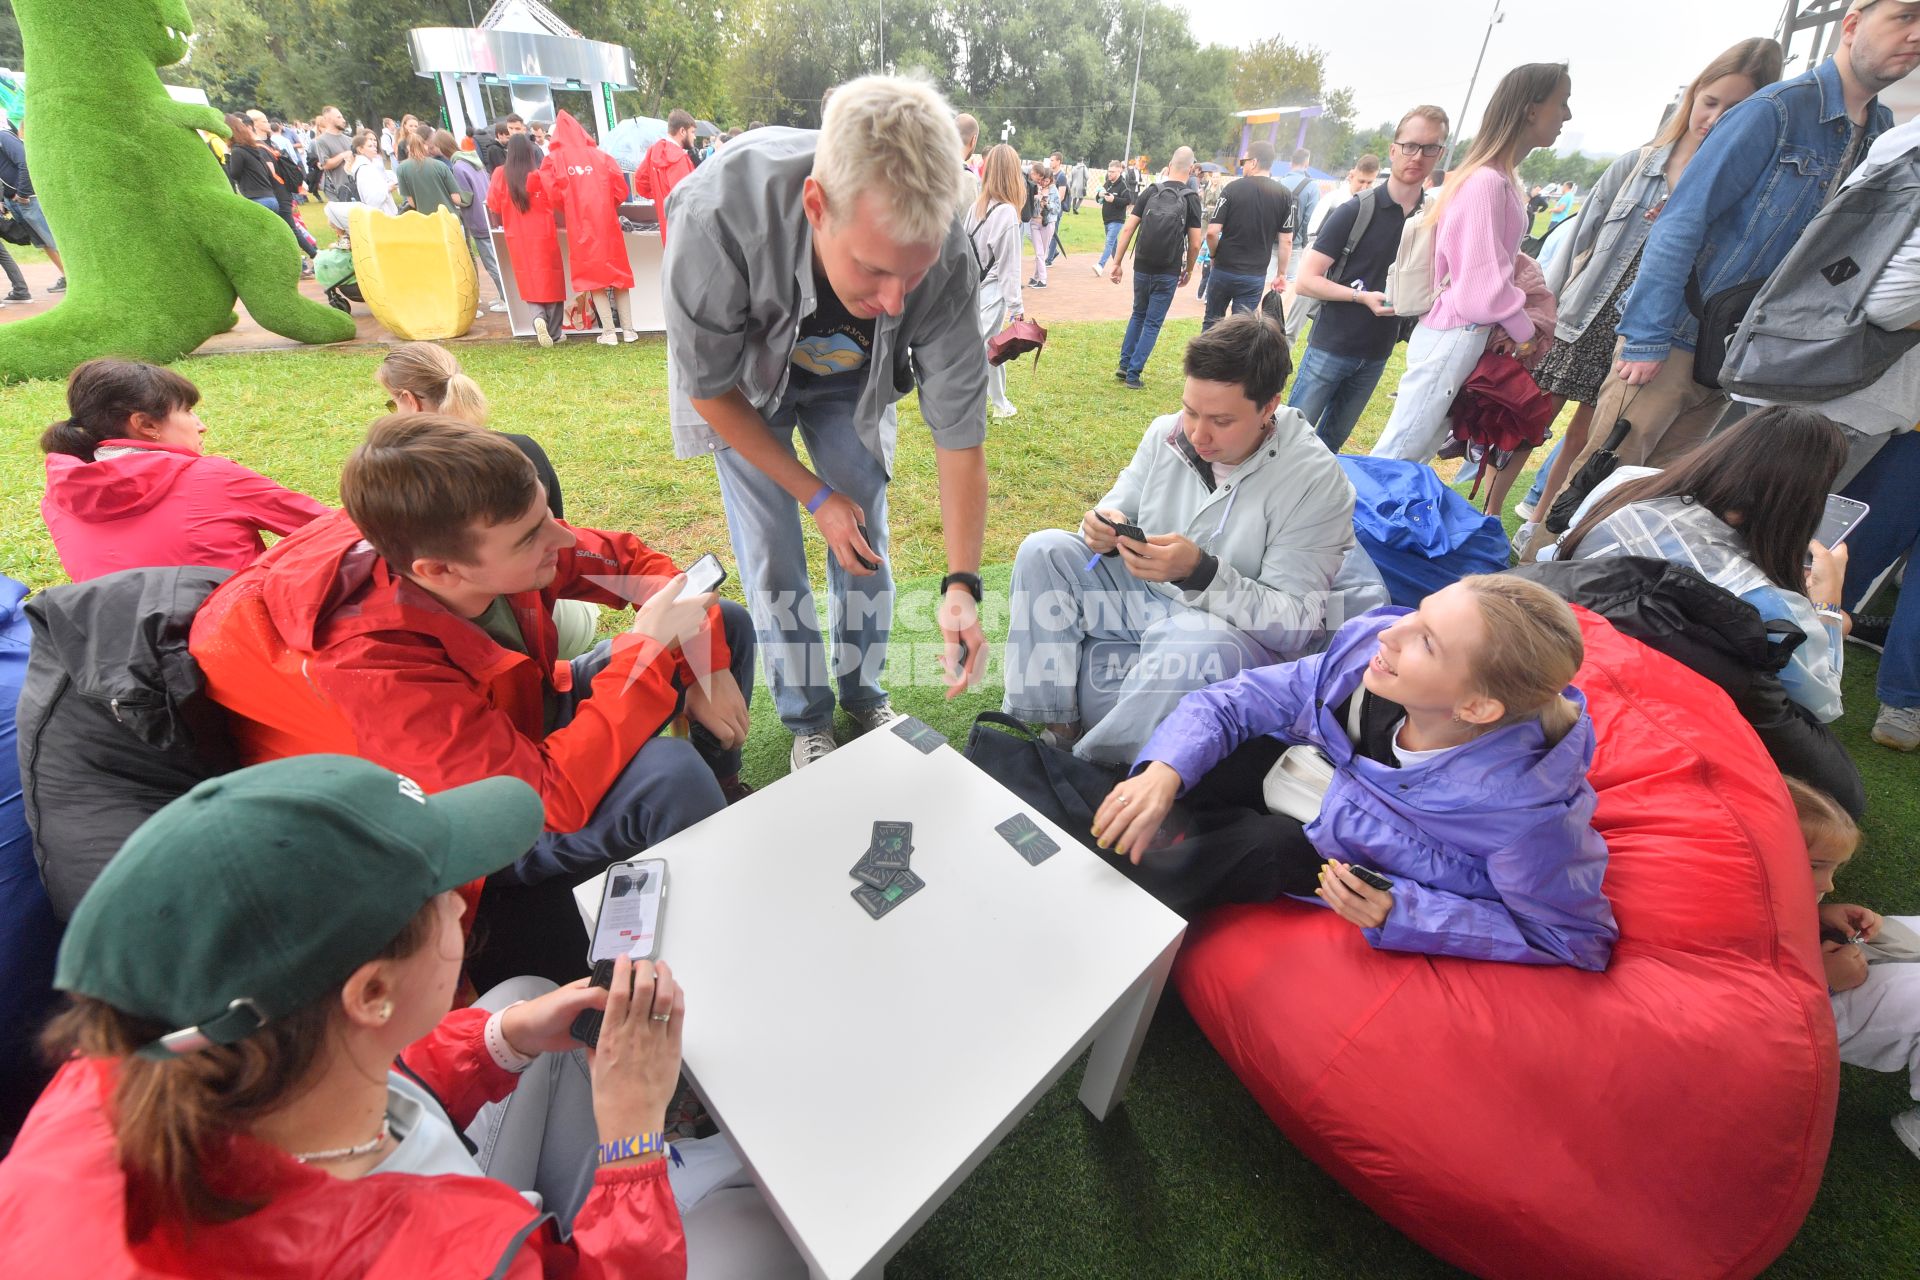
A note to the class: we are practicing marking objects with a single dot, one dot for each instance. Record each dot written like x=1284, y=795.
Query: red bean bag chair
x=1669, y=1117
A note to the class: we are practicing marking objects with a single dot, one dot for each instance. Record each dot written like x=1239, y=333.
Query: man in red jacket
x=414, y=629
x=665, y=164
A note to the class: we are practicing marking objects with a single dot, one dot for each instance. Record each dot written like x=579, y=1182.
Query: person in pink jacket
x=1479, y=222
x=129, y=488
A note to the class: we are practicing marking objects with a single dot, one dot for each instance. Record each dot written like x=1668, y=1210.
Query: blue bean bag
x=1421, y=534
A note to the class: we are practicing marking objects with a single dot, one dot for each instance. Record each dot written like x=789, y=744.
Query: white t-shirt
x=1408, y=758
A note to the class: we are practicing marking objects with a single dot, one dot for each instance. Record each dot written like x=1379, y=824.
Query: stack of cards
x=884, y=873
x=1027, y=839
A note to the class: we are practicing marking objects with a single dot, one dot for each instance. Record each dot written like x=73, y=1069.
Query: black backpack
x=1163, y=227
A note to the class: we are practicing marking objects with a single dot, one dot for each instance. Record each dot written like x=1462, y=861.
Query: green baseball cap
x=259, y=892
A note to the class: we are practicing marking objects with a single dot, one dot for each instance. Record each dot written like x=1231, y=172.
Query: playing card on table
x=867, y=872
x=892, y=847
x=920, y=734
x=1027, y=839
x=880, y=901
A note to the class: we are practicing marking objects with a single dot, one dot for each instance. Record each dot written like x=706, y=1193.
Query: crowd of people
x=434, y=750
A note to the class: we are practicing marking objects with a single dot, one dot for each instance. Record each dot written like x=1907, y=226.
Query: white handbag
x=1297, y=783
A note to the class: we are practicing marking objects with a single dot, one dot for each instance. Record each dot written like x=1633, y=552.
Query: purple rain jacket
x=1490, y=847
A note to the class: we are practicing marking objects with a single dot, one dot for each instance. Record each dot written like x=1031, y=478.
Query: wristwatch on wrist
x=971, y=581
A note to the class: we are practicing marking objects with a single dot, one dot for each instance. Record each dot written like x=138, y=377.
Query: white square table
x=955, y=1012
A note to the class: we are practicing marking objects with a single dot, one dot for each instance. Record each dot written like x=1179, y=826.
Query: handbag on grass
x=1014, y=341
x=1297, y=784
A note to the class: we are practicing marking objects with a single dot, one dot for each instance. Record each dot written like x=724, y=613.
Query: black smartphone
x=586, y=1027
x=1372, y=879
x=872, y=566
x=704, y=575
x=1123, y=530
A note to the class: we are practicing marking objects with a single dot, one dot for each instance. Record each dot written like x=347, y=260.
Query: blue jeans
x=36, y=219
x=1152, y=295
x=763, y=521
x=1540, y=477
x=1332, y=391
x=1891, y=530
x=1113, y=242
x=1228, y=288
x=670, y=784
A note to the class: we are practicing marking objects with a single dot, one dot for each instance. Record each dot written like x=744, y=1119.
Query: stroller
x=333, y=266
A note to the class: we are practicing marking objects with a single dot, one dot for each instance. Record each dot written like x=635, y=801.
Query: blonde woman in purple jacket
x=1479, y=222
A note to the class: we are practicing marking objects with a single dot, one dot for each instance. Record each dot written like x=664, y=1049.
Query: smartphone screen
x=705, y=575
x=629, y=921
x=1839, y=520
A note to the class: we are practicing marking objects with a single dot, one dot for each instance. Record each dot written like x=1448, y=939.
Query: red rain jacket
x=533, y=245
x=320, y=647
x=660, y=171
x=586, y=183
x=64, y=1200
x=160, y=504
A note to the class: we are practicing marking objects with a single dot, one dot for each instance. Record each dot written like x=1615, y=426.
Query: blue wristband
x=814, y=503
x=640, y=1144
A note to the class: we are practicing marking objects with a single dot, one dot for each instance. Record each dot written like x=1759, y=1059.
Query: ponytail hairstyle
x=431, y=375
x=242, y=130
x=1505, y=119
x=172, y=1118
x=1247, y=350
x=522, y=161
x=416, y=146
x=1532, y=651
x=103, y=395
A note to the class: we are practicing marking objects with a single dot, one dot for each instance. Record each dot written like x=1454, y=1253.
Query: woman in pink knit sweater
x=1479, y=221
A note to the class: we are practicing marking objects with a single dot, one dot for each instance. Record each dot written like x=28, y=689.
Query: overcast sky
x=1628, y=56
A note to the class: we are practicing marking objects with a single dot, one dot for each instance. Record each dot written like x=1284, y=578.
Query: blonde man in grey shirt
x=813, y=279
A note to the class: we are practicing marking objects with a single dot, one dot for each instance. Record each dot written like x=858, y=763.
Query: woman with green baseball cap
x=265, y=1078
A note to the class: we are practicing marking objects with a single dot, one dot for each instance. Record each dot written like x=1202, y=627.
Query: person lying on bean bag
x=1462, y=788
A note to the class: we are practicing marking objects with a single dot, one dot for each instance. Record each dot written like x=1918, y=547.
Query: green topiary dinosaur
x=149, y=282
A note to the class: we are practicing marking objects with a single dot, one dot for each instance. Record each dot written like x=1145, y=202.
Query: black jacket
x=493, y=153
x=1676, y=611
x=251, y=172
x=114, y=720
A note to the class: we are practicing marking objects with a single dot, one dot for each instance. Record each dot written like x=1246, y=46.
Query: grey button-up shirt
x=738, y=280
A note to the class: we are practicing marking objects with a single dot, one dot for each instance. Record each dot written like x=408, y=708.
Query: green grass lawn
x=1189, y=1179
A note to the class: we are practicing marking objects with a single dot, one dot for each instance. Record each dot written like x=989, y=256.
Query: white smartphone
x=631, y=908
x=704, y=575
x=1841, y=517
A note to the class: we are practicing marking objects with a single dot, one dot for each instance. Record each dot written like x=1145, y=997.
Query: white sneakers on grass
x=1906, y=1127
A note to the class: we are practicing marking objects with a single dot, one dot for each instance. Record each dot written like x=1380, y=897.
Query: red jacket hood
x=117, y=487
x=569, y=139
x=665, y=153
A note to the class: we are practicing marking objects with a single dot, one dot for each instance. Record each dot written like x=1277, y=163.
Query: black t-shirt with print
x=832, y=340
x=1253, y=213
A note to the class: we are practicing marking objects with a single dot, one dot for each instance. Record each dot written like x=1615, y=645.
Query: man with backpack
x=1253, y=223
x=1305, y=190
x=1346, y=272
x=1167, y=219
x=1758, y=180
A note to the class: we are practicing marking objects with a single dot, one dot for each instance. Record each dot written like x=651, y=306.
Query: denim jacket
x=1760, y=177
x=1611, y=228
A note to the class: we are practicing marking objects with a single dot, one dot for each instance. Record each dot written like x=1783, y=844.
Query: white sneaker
x=1525, y=511
x=878, y=716
x=1096, y=268
x=629, y=335
x=809, y=748
x=608, y=338
x=1906, y=1126
x=497, y=307
x=1521, y=537
x=1002, y=410
x=540, y=334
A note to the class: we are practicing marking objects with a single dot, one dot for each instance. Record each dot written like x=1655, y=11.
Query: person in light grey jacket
x=993, y=228
x=1247, y=522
